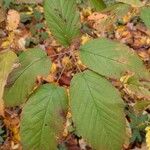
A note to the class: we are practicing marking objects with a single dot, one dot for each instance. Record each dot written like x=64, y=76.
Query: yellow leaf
x=6, y=62
x=87, y=11
x=53, y=68
x=148, y=137
x=124, y=79
x=67, y=62
x=85, y=39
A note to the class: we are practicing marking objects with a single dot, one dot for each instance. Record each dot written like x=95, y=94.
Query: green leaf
x=117, y=11
x=27, y=1
x=141, y=105
x=138, y=90
x=7, y=3
x=97, y=114
x=134, y=87
x=145, y=16
x=98, y=4
x=63, y=19
x=6, y=64
x=3, y=12
x=42, y=118
x=21, y=81
x=109, y=2
x=25, y=17
x=134, y=3
x=112, y=59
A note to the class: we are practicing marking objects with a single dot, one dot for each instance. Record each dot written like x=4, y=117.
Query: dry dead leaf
x=85, y=38
x=96, y=16
x=53, y=68
x=87, y=11
x=98, y=21
x=66, y=62
x=50, y=78
x=144, y=55
x=13, y=20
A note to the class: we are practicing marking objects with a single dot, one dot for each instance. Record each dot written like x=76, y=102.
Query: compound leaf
x=63, y=19
x=42, y=118
x=97, y=111
x=112, y=59
x=21, y=81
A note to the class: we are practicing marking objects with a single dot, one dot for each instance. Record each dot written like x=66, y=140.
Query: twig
x=63, y=70
x=59, y=54
x=76, y=63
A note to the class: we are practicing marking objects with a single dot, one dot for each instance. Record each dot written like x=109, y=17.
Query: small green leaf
x=21, y=81
x=97, y=114
x=145, y=16
x=42, y=118
x=7, y=3
x=6, y=64
x=98, y=4
x=117, y=11
x=25, y=17
x=141, y=105
x=112, y=59
x=38, y=15
x=134, y=3
x=63, y=19
x=43, y=36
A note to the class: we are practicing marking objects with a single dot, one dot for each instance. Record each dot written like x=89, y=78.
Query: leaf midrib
x=45, y=115
x=95, y=104
x=103, y=57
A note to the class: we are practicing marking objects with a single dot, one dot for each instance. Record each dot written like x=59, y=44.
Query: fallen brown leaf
x=13, y=20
